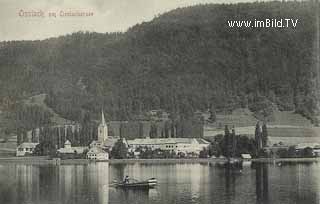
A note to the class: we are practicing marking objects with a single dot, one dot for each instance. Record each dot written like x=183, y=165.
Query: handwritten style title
x=54, y=14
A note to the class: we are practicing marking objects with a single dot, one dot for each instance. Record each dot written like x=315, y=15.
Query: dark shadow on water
x=120, y=170
x=262, y=183
x=134, y=195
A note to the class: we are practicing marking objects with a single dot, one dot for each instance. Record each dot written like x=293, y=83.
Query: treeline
x=232, y=146
x=56, y=136
x=26, y=118
x=185, y=60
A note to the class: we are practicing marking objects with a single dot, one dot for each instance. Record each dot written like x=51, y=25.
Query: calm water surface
x=178, y=183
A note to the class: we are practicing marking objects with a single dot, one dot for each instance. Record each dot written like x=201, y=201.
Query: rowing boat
x=150, y=183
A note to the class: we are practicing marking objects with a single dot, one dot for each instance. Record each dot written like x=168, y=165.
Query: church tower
x=102, y=129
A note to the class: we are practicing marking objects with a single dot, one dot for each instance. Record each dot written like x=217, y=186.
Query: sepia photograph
x=160, y=102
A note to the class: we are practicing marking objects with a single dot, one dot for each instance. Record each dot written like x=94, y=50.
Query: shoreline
x=44, y=160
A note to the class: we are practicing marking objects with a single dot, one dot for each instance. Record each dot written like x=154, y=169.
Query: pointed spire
x=103, y=121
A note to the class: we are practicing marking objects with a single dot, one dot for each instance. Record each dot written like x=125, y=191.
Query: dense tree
x=227, y=138
x=213, y=115
x=307, y=152
x=292, y=153
x=244, y=145
x=258, y=137
x=45, y=148
x=119, y=150
x=180, y=61
x=204, y=153
x=264, y=135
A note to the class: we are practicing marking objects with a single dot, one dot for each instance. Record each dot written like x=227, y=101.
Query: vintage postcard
x=159, y=102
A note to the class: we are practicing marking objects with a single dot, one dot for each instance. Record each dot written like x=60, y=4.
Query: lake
x=178, y=183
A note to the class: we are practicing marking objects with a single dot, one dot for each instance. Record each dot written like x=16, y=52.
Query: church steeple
x=102, y=129
x=103, y=121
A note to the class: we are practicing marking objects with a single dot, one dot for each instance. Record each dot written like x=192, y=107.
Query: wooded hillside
x=185, y=60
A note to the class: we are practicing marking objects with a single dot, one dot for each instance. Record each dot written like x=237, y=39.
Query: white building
x=68, y=149
x=25, y=148
x=102, y=129
x=96, y=153
x=246, y=157
x=178, y=145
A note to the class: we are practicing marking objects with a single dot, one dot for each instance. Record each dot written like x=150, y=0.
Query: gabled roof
x=163, y=141
x=246, y=156
x=305, y=145
x=96, y=150
x=202, y=141
x=28, y=145
x=103, y=121
x=72, y=150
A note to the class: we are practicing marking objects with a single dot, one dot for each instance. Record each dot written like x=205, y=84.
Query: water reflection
x=178, y=183
x=262, y=188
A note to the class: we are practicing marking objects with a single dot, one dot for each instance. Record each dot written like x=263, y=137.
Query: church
x=102, y=129
x=104, y=141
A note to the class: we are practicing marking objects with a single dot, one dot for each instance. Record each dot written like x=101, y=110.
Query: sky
x=106, y=16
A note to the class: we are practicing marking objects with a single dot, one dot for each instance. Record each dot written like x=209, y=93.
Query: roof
x=103, y=121
x=110, y=141
x=67, y=142
x=158, y=141
x=202, y=141
x=96, y=150
x=305, y=145
x=72, y=150
x=28, y=145
x=246, y=156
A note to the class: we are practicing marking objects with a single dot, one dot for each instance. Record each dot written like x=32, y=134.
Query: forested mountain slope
x=185, y=60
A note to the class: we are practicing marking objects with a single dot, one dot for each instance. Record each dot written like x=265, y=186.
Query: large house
x=25, y=149
x=69, y=150
x=96, y=153
x=178, y=145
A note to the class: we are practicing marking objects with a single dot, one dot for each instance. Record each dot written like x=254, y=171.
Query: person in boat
x=126, y=179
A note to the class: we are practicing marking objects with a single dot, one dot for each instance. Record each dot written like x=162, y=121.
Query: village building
x=105, y=145
x=178, y=145
x=69, y=150
x=26, y=148
x=314, y=146
x=98, y=154
x=246, y=157
x=105, y=141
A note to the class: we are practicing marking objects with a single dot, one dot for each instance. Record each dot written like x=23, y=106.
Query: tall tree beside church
x=33, y=135
x=19, y=136
x=153, y=131
x=213, y=115
x=233, y=142
x=257, y=136
x=264, y=135
x=226, y=141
